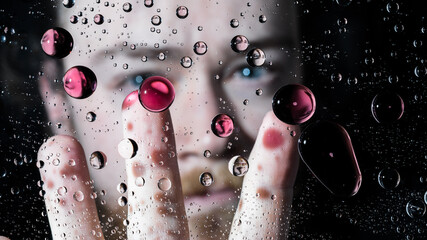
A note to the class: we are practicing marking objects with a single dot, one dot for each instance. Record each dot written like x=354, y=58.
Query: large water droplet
x=239, y=43
x=79, y=196
x=234, y=23
x=222, y=125
x=325, y=147
x=57, y=42
x=97, y=160
x=156, y=20
x=140, y=181
x=156, y=94
x=238, y=166
x=387, y=107
x=294, y=104
x=98, y=19
x=122, y=201
x=121, y=188
x=164, y=184
x=68, y=3
x=127, y=148
x=415, y=208
x=90, y=116
x=255, y=57
x=389, y=178
x=127, y=7
x=186, y=62
x=182, y=12
x=206, y=179
x=79, y=82
x=200, y=48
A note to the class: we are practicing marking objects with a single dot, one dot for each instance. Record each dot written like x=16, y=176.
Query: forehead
x=207, y=21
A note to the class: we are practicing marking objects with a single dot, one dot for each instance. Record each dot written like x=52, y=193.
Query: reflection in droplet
x=140, y=181
x=294, y=104
x=78, y=196
x=258, y=91
x=74, y=19
x=389, y=178
x=387, y=107
x=336, y=77
x=127, y=148
x=98, y=19
x=156, y=94
x=122, y=201
x=325, y=147
x=79, y=82
x=57, y=42
x=239, y=43
x=262, y=19
x=238, y=166
x=392, y=7
x=255, y=57
x=206, y=179
x=415, y=208
x=207, y=153
x=200, y=48
x=148, y=3
x=90, y=116
x=420, y=71
x=186, y=62
x=156, y=20
x=127, y=7
x=164, y=184
x=344, y=3
x=121, y=188
x=234, y=23
x=97, y=160
x=68, y=3
x=222, y=125
x=182, y=12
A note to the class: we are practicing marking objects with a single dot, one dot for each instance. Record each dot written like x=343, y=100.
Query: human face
x=130, y=46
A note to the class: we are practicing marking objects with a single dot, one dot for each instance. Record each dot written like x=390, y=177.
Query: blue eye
x=137, y=79
x=251, y=73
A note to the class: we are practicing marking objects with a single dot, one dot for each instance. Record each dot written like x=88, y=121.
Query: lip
x=211, y=200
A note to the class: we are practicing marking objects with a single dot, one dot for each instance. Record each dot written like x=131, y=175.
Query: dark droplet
x=57, y=42
x=387, y=107
x=325, y=147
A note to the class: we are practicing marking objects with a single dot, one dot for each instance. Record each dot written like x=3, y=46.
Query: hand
x=156, y=210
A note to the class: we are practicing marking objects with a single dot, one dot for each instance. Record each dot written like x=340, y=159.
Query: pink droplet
x=156, y=94
x=222, y=125
x=57, y=42
x=79, y=82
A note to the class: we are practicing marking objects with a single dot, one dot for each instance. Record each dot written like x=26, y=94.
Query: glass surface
x=82, y=158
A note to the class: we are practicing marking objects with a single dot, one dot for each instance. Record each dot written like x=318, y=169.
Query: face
x=192, y=47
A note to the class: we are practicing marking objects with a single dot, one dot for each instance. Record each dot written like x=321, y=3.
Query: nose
x=196, y=104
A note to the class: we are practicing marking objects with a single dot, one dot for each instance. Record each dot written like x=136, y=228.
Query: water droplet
x=393, y=79
x=344, y=3
x=97, y=160
x=161, y=56
x=186, y=62
x=294, y=104
x=57, y=42
x=55, y=162
x=79, y=82
x=148, y=3
x=140, y=181
x=68, y=3
x=164, y=184
x=144, y=58
x=239, y=43
x=127, y=7
x=79, y=196
x=234, y=23
x=258, y=91
x=156, y=20
x=90, y=116
x=156, y=94
x=181, y=12
x=392, y=7
x=246, y=102
x=98, y=19
x=336, y=77
x=342, y=21
x=238, y=166
x=127, y=148
x=255, y=57
x=74, y=19
x=62, y=191
x=3, y=172
x=262, y=19
x=389, y=178
x=420, y=71
x=207, y=153
x=387, y=107
x=325, y=147
x=122, y=201
x=415, y=208
x=121, y=188
x=222, y=125
x=200, y=48
x=352, y=80
x=206, y=179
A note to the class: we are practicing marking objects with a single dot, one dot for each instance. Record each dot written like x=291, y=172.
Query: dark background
x=327, y=48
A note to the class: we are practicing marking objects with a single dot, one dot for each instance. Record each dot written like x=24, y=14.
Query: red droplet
x=57, y=42
x=156, y=94
x=130, y=99
x=222, y=125
x=79, y=82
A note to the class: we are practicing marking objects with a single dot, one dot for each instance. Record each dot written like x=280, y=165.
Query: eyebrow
x=139, y=51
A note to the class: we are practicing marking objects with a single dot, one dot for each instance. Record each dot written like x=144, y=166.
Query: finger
x=4, y=238
x=68, y=195
x=264, y=208
x=54, y=101
x=156, y=205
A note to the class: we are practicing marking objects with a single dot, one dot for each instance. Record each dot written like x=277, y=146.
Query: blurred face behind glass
x=127, y=48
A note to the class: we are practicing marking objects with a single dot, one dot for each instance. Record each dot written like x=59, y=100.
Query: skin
x=198, y=212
